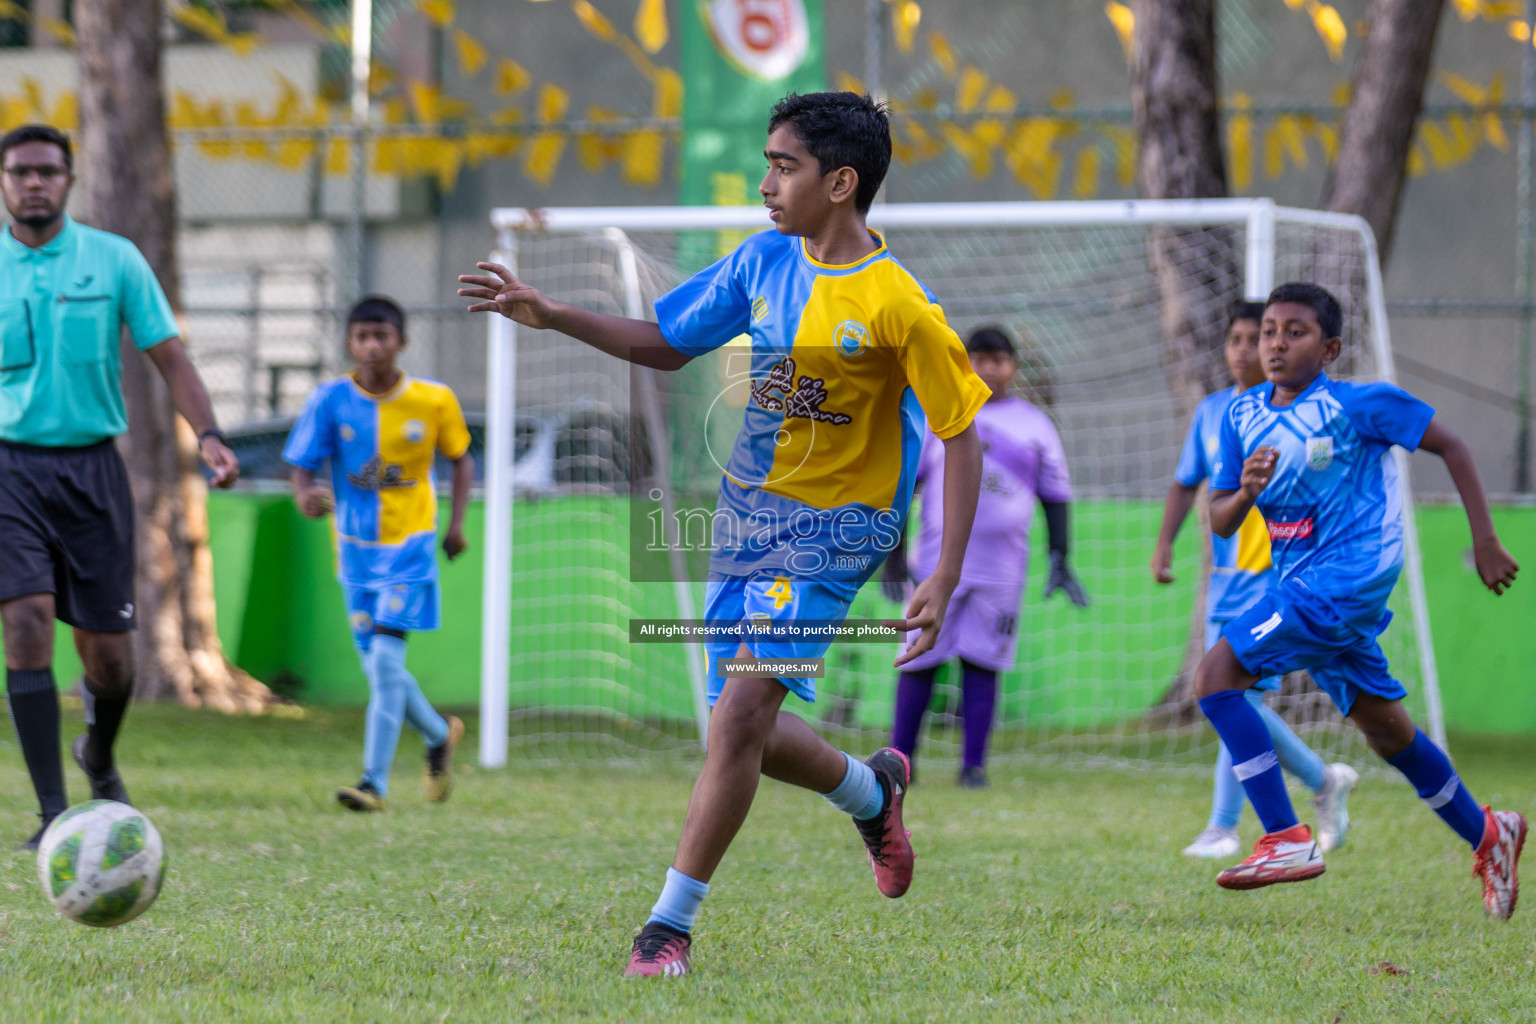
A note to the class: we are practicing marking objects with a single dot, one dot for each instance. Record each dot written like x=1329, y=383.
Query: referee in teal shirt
x=66, y=512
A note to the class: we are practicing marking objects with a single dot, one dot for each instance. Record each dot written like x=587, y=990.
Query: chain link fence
x=484, y=103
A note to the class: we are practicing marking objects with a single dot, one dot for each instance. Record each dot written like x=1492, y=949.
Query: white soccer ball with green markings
x=101, y=862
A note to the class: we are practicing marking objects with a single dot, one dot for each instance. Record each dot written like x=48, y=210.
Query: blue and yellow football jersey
x=381, y=448
x=845, y=363
x=1241, y=568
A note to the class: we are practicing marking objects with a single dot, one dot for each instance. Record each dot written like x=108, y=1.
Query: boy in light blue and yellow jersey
x=848, y=355
x=846, y=362
x=1241, y=573
x=1314, y=456
x=380, y=429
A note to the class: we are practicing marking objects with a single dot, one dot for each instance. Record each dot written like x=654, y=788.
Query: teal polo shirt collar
x=53, y=247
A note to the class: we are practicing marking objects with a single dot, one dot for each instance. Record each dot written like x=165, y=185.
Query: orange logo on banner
x=766, y=39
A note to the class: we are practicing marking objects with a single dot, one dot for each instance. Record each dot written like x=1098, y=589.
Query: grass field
x=1057, y=895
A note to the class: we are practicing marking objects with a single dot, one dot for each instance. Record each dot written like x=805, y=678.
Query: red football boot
x=1288, y=856
x=889, y=844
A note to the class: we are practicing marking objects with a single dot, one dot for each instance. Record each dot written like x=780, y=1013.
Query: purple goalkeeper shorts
x=981, y=626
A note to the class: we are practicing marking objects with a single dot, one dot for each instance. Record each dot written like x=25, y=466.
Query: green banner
x=739, y=58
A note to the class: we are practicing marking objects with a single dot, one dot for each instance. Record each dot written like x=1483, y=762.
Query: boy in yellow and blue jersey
x=1314, y=456
x=849, y=355
x=1241, y=573
x=380, y=429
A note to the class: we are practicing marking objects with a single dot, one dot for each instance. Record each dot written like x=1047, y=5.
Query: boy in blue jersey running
x=380, y=428
x=1315, y=456
x=1241, y=571
x=849, y=352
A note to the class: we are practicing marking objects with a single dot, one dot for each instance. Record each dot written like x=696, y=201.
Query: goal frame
x=1258, y=216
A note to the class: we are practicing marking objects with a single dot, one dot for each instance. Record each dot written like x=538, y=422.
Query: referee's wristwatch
x=215, y=432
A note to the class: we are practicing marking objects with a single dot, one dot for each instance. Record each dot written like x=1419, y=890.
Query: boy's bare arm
x=962, y=485
x=1176, y=508
x=1494, y=565
x=1230, y=508
x=635, y=341
x=314, y=500
x=454, y=541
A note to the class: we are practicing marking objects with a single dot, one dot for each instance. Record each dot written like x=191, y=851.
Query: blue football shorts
x=736, y=600
x=408, y=607
x=1213, y=628
x=1293, y=628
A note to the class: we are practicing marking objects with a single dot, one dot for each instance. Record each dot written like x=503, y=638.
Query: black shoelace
x=652, y=942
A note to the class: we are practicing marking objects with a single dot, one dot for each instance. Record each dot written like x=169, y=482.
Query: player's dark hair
x=1321, y=301
x=378, y=309
x=37, y=133
x=840, y=129
x=991, y=339
x=1246, y=311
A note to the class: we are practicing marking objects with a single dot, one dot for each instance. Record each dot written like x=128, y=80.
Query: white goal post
x=1261, y=221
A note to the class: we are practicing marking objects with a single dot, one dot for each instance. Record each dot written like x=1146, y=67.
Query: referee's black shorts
x=66, y=529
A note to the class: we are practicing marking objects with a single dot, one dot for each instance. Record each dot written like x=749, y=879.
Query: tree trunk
x=1383, y=113
x=1199, y=270
x=127, y=187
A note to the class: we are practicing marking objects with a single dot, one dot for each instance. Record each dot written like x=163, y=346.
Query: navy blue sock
x=1254, y=760
x=34, y=702
x=1426, y=766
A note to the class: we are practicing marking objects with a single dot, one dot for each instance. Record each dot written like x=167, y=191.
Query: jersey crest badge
x=1319, y=453
x=415, y=431
x=851, y=338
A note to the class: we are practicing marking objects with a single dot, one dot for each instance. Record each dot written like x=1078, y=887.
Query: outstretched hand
x=501, y=292
x=1061, y=578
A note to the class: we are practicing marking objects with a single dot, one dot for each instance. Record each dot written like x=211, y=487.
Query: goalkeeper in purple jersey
x=1314, y=456
x=1241, y=572
x=1022, y=461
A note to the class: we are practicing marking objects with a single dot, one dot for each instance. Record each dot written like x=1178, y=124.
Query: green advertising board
x=739, y=58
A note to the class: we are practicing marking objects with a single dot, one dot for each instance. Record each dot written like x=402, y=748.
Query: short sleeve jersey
x=381, y=449
x=1241, y=568
x=845, y=363
x=62, y=309
x=1022, y=461
x=1333, y=507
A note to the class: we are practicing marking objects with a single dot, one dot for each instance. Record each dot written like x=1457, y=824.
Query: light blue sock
x=419, y=712
x=1229, y=798
x=387, y=682
x=859, y=794
x=1295, y=756
x=679, y=901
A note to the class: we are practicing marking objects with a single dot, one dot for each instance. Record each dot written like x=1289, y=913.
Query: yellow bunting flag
x=594, y=22
x=212, y=25
x=541, y=158
x=968, y=90
x=847, y=83
x=651, y=25
x=472, y=53
x=942, y=53
x=58, y=29
x=1085, y=182
x=668, y=99
x=905, y=17
x=511, y=77
x=1240, y=140
x=439, y=12
x=1124, y=21
x=1285, y=138
x=1329, y=25
x=1032, y=156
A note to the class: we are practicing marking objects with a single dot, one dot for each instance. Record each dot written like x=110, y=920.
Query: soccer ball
x=100, y=863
